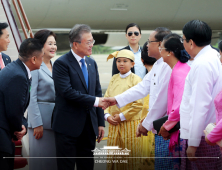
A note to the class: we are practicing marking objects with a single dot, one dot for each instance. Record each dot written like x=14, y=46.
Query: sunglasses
x=135, y=33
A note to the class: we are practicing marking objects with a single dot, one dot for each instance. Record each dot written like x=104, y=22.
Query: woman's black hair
x=220, y=45
x=172, y=43
x=144, y=55
x=133, y=25
x=43, y=35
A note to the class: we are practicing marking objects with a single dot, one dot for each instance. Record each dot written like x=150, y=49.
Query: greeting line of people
x=67, y=113
x=189, y=98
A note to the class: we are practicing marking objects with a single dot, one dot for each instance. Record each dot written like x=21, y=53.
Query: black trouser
x=81, y=146
x=6, y=163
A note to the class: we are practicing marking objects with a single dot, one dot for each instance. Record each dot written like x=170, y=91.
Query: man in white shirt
x=4, y=42
x=154, y=83
x=197, y=110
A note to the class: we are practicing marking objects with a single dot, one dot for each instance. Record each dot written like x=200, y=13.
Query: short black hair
x=172, y=43
x=220, y=45
x=133, y=25
x=161, y=32
x=42, y=35
x=3, y=25
x=198, y=31
x=29, y=48
x=144, y=55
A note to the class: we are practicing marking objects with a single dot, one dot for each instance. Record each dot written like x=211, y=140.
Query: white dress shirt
x=28, y=71
x=189, y=62
x=202, y=84
x=78, y=58
x=154, y=83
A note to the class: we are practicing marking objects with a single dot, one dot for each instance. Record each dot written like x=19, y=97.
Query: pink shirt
x=175, y=93
x=216, y=134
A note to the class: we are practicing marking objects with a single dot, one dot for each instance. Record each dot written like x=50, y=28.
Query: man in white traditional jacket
x=197, y=110
x=154, y=83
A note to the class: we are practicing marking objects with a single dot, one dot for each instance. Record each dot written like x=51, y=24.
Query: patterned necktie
x=1, y=62
x=84, y=71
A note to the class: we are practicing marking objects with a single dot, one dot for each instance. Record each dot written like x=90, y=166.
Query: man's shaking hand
x=111, y=100
x=102, y=103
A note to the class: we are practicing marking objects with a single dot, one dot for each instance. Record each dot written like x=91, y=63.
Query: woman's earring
x=168, y=54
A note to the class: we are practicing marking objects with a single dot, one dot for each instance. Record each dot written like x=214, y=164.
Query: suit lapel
x=5, y=59
x=28, y=81
x=128, y=47
x=46, y=70
x=23, y=68
x=76, y=66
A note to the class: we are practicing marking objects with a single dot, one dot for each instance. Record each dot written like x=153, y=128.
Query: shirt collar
x=125, y=75
x=78, y=58
x=202, y=51
x=139, y=50
x=29, y=73
x=160, y=60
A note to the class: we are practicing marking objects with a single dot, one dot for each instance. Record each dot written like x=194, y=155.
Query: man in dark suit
x=5, y=59
x=4, y=42
x=77, y=120
x=14, y=98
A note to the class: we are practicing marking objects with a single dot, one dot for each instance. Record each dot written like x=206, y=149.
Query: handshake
x=106, y=102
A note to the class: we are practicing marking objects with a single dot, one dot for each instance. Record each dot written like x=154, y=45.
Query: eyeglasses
x=160, y=49
x=88, y=43
x=181, y=40
x=91, y=42
x=148, y=41
x=135, y=33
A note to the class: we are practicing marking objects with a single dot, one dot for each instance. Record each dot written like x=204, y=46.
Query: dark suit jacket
x=115, y=70
x=14, y=99
x=73, y=100
x=6, y=59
